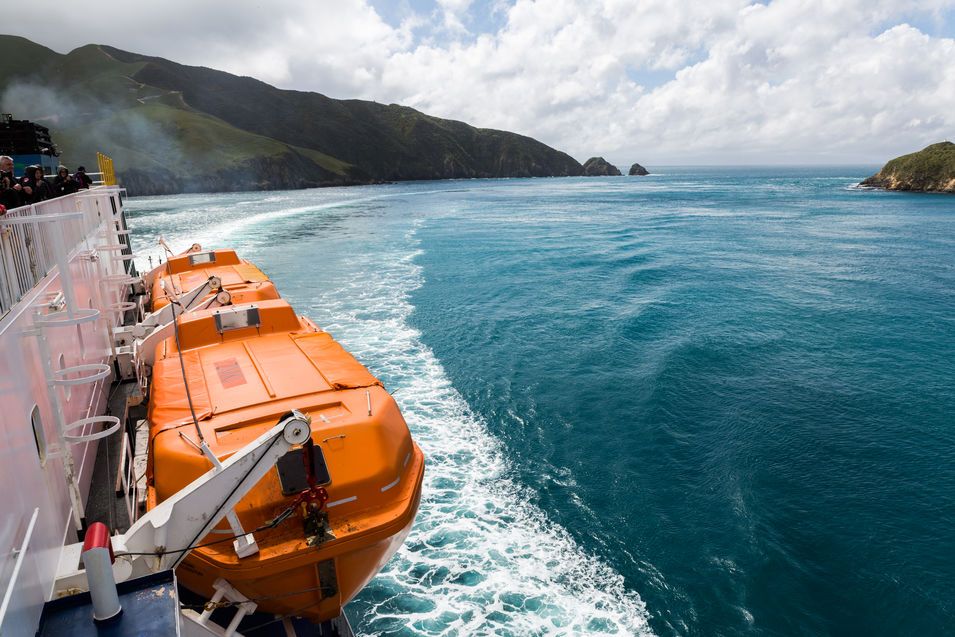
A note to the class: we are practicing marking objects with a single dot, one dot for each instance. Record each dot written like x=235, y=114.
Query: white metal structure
x=63, y=276
x=163, y=537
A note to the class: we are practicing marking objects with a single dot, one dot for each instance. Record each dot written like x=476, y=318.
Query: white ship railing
x=28, y=246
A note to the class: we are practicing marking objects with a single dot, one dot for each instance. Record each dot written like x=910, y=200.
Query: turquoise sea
x=712, y=401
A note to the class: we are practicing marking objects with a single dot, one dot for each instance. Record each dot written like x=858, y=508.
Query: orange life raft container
x=245, y=282
x=246, y=366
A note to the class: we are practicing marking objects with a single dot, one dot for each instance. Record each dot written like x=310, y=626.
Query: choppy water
x=712, y=401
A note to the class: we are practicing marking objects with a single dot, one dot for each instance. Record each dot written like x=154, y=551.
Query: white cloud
x=795, y=80
x=453, y=14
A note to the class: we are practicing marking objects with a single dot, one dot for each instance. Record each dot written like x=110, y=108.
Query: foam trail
x=240, y=214
x=215, y=235
x=481, y=560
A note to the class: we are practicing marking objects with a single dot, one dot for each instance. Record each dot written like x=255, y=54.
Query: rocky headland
x=638, y=170
x=931, y=169
x=599, y=167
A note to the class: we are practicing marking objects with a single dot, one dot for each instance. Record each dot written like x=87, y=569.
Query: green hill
x=175, y=128
x=932, y=169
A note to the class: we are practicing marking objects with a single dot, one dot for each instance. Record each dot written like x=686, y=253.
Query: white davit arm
x=188, y=301
x=158, y=326
x=163, y=536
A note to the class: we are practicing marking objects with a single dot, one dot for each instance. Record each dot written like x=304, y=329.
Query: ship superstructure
x=28, y=143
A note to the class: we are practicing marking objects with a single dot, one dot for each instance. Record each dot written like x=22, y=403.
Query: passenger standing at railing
x=6, y=167
x=9, y=198
x=24, y=185
x=82, y=179
x=10, y=191
x=35, y=187
x=64, y=184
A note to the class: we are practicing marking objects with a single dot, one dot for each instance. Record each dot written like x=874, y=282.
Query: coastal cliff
x=175, y=128
x=931, y=169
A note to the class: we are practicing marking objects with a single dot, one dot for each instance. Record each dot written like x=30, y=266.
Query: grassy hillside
x=165, y=149
x=932, y=169
x=20, y=57
x=174, y=128
x=386, y=142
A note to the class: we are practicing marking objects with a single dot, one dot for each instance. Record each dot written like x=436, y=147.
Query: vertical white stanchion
x=98, y=560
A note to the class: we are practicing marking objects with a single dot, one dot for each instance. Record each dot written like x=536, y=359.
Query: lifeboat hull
x=330, y=576
x=246, y=366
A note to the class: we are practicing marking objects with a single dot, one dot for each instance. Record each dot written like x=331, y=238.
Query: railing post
x=63, y=263
x=8, y=296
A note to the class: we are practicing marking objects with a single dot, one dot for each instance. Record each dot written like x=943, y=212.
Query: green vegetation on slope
x=174, y=128
x=385, y=142
x=21, y=57
x=167, y=149
x=931, y=169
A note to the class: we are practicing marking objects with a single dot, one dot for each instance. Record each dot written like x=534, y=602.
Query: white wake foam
x=480, y=560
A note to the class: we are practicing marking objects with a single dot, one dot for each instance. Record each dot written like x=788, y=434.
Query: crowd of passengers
x=33, y=186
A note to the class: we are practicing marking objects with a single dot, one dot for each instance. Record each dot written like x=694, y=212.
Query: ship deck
x=150, y=608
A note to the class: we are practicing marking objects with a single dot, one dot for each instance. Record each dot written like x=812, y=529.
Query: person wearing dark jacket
x=10, y=195
x=9, y=198
x=24, y=185
x=82, y=179
x=64, y=184
x=35, y=187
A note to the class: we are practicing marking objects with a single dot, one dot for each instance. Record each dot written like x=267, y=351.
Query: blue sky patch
x=650, y=78
x=937, y=25
x=483, y=16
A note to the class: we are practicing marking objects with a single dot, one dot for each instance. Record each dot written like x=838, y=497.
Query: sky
x=651, y=81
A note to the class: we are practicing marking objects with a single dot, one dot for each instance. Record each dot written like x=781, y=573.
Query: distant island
x=931, y=169
x=599, y=167
x=638, y=170
x=174, y=128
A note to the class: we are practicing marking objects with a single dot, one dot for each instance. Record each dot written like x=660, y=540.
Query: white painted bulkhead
x=33, y=465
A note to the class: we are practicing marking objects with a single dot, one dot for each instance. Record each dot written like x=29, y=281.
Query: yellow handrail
x=106, y=168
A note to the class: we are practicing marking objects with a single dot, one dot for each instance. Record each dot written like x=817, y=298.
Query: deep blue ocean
x=712, y=401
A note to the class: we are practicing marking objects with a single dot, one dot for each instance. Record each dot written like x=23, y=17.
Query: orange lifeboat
x=246, y=366
x=245, y=282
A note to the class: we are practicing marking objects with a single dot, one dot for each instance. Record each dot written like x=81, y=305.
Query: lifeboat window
x=199, y=258
x=237, y=318
x=38, y=436
x=291, y=468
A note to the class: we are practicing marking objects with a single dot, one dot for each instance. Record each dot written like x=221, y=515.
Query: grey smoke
x=109, y=126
